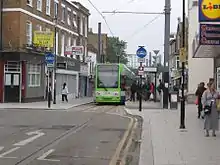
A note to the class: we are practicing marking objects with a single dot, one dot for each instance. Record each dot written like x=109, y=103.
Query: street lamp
x=55, y=62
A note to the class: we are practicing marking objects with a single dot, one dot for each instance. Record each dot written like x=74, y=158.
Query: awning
x=206, y=43
x=206, y=51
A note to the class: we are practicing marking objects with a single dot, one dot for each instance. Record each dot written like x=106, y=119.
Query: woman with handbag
x=209, y=100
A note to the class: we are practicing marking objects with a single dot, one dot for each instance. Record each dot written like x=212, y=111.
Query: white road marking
x=46, y=154
x=8, y=152
x=29, y=140
x=1, y=148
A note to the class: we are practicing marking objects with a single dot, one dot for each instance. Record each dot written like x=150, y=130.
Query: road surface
x=85, y=135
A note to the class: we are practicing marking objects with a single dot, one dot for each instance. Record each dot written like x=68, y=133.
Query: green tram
x=111, y=83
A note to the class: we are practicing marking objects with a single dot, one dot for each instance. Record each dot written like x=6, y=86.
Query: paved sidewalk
x=145, y=105
x=44, y=105
x=163, y=143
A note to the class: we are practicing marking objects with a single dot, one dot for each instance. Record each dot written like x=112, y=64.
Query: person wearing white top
x=64, y=92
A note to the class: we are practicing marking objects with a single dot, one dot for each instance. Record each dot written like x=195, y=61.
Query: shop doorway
x=12, y=82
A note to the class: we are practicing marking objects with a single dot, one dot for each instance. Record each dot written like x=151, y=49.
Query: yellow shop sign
x=44, y=38
x=210, y=9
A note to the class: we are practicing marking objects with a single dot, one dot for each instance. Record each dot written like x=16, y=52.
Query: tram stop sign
x=49, y=59
x=141, y=52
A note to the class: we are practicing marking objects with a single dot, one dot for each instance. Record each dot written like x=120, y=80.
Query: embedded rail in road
x=48, y=142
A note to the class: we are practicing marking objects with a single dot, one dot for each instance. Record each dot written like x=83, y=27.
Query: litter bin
x=173, y=100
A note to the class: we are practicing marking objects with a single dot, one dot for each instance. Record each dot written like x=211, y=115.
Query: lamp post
x=183, y=58
x=55, y=62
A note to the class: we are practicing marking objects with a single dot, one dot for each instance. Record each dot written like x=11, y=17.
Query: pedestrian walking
x=64, y=92
x=199, y=92
x=133, y=91
x=209, y=101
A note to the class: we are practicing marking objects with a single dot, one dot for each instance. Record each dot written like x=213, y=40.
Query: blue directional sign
x=49, y=59
x=141, y=52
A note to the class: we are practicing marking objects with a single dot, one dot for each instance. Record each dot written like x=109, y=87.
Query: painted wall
x=199, y=69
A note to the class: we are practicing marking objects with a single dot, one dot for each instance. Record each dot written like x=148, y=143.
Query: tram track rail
x=32, y=156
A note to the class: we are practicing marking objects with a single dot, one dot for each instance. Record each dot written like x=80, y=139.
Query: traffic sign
x=156, y=51
x=141, y=60
x=141, y=68
x=49, y=59
x=140, y=73
x=141, y=52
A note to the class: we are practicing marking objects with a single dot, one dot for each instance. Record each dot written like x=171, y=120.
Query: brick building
x=23, y=76
x=93, y=40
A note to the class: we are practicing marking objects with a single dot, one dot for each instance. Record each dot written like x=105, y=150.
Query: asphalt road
x=86, y=135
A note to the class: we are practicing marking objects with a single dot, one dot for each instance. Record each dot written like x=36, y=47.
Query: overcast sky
x=131, y=27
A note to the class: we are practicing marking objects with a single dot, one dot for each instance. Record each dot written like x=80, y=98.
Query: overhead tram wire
x=147, y=24
x=101, y=16
x=128, y=2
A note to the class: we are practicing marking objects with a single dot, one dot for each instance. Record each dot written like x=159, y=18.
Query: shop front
x=22, y=77
x=67, y=72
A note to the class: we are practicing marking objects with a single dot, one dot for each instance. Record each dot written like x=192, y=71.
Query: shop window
x=34, y=75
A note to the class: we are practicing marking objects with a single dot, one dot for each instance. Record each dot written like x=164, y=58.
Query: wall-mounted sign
x=61, y=65
x=44, y=39
x=74, y=50
x=209, y=34
x=209, y=11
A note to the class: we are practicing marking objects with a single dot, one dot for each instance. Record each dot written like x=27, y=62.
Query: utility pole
x=99, y=43
x=166, y=54
x=183, y=58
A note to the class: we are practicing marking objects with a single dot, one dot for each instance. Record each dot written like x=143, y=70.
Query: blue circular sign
x=49, y=58
x=141, y=52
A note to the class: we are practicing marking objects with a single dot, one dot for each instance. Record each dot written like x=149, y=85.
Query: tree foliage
x=116, y=47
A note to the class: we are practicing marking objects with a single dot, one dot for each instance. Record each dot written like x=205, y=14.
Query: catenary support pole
x=99, y=43
x=55, y=66
x=182, y=106
x=166, y=54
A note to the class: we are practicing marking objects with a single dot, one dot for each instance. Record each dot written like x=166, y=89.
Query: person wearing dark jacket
x=133, y=91
x=199, y=93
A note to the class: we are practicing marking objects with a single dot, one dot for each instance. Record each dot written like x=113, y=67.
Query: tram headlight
x=98, y=93
x=116, y=93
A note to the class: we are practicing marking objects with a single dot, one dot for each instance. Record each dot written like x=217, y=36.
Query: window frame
x=56, y=8
x=34, y=70
x=29, y=34
x=48, y=7
x=30, y=3
x=39, y=8
x=63, y=45
x=63, y=13
x=74, y=19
